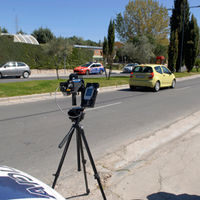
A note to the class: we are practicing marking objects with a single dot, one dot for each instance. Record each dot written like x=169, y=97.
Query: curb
x=45, y=96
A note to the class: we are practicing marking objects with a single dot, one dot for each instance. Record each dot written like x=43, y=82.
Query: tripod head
x=76, y=113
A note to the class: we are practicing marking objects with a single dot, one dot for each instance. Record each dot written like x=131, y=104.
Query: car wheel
x=132, y=87
x=157, y=86
x=173, y=83
x=101, y=72
x=87, y=73
x=25, y=74
x=1, y=76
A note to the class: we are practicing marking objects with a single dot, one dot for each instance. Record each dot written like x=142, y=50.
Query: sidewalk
x=162, y=166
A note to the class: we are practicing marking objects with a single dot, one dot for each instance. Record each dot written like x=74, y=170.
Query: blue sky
x=83, y=18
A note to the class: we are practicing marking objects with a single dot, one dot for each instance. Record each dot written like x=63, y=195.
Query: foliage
x=111, y=43
x=179, y=24
x=192, y=44
x=4, y=30
x=141, y=18
x=197, y=64
x=33, y=55
x=105, y=48
x=111, y=39
x=80, y=41
x=21, y=32
x=141, y=51
x=173, y=51
x=36, y=56
x=43, y=35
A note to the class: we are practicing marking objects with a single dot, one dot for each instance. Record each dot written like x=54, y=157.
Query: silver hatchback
x=16, y=69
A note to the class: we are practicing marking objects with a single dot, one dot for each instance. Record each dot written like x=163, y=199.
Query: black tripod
x=76, y=115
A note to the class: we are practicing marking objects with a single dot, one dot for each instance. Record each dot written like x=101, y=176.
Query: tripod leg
x=96, y=176
x=63, y=157
x=84, y=167
x=78, y=150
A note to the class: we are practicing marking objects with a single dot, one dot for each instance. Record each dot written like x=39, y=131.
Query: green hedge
x=35, y=56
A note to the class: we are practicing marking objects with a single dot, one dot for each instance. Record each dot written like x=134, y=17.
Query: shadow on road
x=168, y=196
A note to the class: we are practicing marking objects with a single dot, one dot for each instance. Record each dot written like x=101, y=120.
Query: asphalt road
x=31, y=132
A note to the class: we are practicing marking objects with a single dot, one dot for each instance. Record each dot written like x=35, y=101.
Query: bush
x=197, y=64
x=35, y=56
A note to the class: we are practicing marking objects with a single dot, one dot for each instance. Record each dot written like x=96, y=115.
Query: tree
x=141, y=51
x=43, y=35
x=141, y=18
x=191, y=51
x=105, y=53
x=111, y=43
x=179, y=24
x=173, y=51
x=57, y=48
x=21, y=32
x=4, y=30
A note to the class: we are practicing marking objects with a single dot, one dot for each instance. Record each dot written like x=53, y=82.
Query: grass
x=48, y=86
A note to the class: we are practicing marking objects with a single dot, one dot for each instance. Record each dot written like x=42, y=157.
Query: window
x=11, y=64
x=165, y=70
x=158, y=69
x=145, y=69
x=20, y=64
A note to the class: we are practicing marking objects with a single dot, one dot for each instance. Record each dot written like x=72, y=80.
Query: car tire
x=132, y=88
x=157, y=86
x=101, y=72
x=87, y=73
x=1, y=76
x=25, y=74
x=173, y=85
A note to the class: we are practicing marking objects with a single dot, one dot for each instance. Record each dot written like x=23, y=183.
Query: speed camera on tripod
x=75, y=85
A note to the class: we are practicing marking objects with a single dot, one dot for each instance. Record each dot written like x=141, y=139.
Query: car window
x=12, y=64
x=158, y=69
x=86, y=65
x=20, y=64
x=165, y=70
x=138, y=69
x=145, y=69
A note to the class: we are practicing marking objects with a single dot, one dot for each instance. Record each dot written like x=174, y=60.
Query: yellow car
x=154, y=76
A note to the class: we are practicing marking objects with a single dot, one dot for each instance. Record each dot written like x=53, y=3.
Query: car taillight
x=131, y=76
x=151, y=75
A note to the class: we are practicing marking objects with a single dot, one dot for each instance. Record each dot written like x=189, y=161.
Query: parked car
x=90, y=68
x=153, y=76
x=129, y=67
x=16, y=69
x=15, y=184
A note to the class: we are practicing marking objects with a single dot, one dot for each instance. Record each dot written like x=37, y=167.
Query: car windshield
x=143, y=69
x=86, y=65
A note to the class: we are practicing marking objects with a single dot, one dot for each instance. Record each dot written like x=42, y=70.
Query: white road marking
x=108, y=105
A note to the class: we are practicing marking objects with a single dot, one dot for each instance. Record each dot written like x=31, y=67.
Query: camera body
x=75, y=85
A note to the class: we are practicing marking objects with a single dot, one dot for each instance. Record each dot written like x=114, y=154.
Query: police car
x=17, y=185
